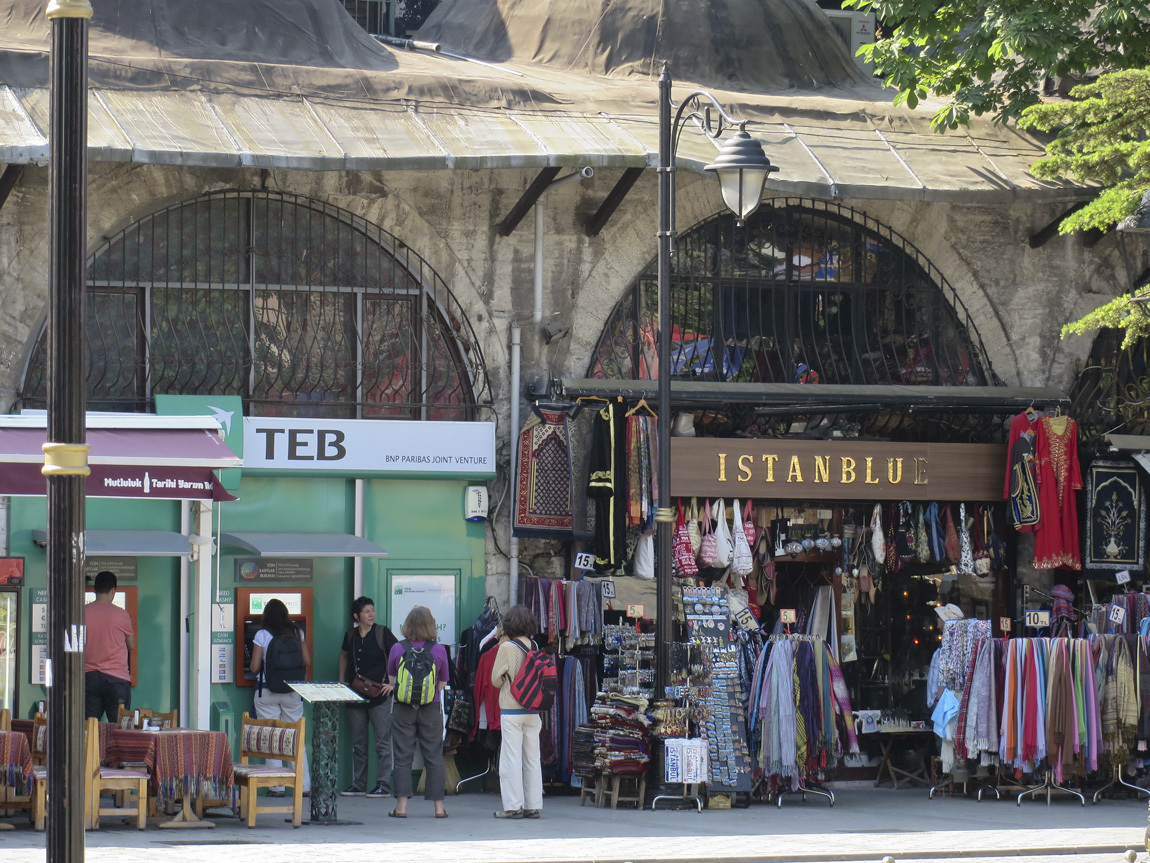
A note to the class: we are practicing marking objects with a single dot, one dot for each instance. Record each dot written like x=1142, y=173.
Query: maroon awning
x=167, y=463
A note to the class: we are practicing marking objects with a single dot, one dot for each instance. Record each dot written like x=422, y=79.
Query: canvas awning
x=302, y=544
x=139, y=456
x=129, y=543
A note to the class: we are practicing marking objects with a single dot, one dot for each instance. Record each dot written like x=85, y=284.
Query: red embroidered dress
x=1056, y=458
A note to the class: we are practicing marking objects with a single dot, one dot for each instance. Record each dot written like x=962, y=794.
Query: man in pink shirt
x=109, y=637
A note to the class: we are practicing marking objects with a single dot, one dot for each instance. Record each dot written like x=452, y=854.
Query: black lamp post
x=742, y=168
x=66, y=453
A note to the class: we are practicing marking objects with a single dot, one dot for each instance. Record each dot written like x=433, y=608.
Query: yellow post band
x=664, y=514
x=68, y=9
x=65, y=459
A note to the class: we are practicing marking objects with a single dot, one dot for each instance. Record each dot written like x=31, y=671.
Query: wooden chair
x=5, y=719
x=277, y=739
x=40, y=739
x=100, y=779
x=171, y=719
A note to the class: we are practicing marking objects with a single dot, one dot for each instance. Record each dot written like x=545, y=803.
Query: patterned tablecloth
x=15, y=762
x=180, y=761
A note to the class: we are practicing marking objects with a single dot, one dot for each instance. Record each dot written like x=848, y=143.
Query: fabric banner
x=544, y=483
x=1115, y=516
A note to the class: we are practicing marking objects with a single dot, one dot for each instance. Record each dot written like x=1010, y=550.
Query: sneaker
x=352, y=791
x=275, y=792
x=379, y=791
x=509, y=813
x=530, y=813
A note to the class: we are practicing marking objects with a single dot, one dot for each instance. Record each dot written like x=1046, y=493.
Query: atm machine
x=250, y=603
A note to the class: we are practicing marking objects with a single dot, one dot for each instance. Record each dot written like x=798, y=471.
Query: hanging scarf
x=779, y=729
x=843, y=703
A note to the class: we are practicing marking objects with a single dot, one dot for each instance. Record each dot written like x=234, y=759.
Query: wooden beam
x=526, y=202
x=1044, y=235
x=611, y=203
x=8, y=181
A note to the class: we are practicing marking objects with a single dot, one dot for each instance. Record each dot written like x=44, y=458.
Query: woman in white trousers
x=520, y=772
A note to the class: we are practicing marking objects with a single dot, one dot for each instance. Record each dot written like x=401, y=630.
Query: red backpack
x=535, y=685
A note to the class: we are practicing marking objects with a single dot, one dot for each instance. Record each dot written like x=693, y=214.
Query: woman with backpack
x=520, y=771
x=417, y=670
x=279, y=654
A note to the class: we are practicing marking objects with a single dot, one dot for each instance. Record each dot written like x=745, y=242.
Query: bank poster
x=434, y=590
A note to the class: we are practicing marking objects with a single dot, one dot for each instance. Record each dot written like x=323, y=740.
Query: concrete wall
x=1018, y=297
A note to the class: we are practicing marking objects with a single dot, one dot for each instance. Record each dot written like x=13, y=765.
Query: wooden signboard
x=781, y=469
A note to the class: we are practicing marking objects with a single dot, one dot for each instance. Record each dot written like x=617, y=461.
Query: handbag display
x=921, y=540
x=724, y=549
x=459, y=717
x=693, y=527
x=682, y=557
x=742, y=561
x=709, y=544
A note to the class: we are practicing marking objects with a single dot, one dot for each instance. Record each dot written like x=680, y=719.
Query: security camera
x=554, y=332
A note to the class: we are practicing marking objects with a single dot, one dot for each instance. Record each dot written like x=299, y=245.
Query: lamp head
x=743, y=168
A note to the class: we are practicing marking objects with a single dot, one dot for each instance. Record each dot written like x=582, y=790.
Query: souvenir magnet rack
x=684, y=793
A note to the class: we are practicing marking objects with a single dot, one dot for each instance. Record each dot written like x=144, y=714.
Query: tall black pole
x=66, y=453
x=664, y=624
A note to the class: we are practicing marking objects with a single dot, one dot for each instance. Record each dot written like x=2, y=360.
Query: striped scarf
x=843, y=703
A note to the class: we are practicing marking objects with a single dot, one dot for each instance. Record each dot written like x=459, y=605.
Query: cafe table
x=184, y=763
x=894, y=743
x=15, y=767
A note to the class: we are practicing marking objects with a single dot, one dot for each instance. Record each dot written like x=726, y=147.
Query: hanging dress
x=1021, y=488
x=1056, y=456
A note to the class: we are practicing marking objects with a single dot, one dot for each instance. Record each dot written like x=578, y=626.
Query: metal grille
x=390, y=17
x=804, y=292
x=298, y=306
x=1111, y=393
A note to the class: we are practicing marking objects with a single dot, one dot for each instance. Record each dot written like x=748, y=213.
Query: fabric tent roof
x=303, y=544
x=200, y=85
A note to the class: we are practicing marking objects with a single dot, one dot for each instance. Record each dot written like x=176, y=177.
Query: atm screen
x=251, y=627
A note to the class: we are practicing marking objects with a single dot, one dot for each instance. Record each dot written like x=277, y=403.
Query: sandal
x=441, y=814
x=394, y=814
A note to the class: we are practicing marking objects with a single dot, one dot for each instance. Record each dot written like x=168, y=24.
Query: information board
x=436, y=590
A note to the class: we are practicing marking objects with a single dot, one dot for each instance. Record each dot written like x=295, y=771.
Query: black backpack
x=283, y=661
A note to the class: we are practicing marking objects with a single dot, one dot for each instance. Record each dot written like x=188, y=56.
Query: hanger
x=641, y=405
x=600, y=399
x=1031, y=413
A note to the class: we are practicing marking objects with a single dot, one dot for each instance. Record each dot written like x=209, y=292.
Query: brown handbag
x=367, y=687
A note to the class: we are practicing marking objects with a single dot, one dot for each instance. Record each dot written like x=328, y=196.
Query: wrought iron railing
x=301, y=308
x=1111, y=391
x=805, y=292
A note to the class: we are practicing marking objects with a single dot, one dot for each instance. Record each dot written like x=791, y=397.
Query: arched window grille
x=805, y=291
x=300, y=307
x=1111, y=392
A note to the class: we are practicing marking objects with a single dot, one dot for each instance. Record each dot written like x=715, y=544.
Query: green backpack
x=415, y=677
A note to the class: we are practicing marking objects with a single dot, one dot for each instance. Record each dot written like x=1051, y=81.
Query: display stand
x=1048, y=785
x=1119, y=781
x=723, y=722
x=324, y=699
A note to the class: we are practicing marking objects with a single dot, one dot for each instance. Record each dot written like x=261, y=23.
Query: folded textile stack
x=622, y=734
x=583, y=752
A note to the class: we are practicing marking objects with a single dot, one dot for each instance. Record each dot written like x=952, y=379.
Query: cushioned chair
x=277, y=739
x=128, y=787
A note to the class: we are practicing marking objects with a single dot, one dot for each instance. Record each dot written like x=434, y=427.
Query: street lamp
x=742, y=168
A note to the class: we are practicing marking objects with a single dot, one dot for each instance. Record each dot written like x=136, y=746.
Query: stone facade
x=1018, y=297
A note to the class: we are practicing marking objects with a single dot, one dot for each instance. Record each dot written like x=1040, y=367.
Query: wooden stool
x=591, y=788
x=619, y=793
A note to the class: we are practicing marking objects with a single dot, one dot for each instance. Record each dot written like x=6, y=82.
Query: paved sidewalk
x=864, y=824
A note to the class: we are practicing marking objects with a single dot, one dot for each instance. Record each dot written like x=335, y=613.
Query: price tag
x=788, y=615
x=607, y=589
x=746, y=620
x=1117, y=614
x=636, y=610
x=584, y=560
x=1005, y=624
x=1038, y=619
x=1122, y=577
